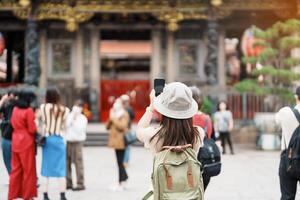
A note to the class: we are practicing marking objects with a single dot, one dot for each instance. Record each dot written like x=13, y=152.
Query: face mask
x=76, y=110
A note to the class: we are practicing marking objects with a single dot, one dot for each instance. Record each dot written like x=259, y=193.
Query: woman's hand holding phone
x=152, y=96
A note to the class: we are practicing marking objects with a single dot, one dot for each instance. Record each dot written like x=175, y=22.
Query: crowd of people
x=184, y=142
x=171, y=126
x=60, y=132
x=61, y=135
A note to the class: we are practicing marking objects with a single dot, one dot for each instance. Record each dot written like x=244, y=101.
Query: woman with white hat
x=177, y=106
x=176, y=130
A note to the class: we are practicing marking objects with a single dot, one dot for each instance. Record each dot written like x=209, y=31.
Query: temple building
x=100, y=49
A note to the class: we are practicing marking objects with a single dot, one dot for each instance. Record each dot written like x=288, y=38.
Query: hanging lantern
x=2, y=44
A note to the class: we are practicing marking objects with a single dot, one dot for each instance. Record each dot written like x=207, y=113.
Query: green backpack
x=176, y=175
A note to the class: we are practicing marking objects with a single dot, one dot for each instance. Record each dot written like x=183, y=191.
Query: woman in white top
x=177, y=107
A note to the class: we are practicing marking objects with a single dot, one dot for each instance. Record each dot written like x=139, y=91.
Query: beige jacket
x=117, y=128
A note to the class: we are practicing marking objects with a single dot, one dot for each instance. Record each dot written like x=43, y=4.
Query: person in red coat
x=23, y=179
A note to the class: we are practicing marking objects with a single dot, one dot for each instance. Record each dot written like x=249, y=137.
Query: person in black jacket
x=7, y=103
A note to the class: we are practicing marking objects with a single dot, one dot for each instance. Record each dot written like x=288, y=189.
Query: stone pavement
x=248, y=175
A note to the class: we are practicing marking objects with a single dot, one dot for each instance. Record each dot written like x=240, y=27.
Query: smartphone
x=159, y=85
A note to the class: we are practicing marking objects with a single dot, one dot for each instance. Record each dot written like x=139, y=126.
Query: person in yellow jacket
x=118, y=127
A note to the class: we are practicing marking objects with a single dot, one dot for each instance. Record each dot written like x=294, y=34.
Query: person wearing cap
x=288, y=122
x=177, y=107
x=76, y=125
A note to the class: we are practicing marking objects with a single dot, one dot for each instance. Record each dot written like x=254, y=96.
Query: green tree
x=273, y=74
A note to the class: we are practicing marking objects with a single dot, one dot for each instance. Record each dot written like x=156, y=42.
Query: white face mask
x=77, y=110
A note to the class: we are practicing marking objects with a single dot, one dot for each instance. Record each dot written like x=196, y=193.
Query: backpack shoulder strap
x=296, y=113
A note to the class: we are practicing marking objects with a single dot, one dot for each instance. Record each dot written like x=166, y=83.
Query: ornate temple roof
x=169, y=11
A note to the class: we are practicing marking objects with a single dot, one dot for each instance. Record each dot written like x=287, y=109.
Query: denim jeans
x=6, y=150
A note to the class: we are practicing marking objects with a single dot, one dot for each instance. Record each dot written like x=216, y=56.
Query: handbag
x=130, y=138
x=6, y=127
x=40, y=139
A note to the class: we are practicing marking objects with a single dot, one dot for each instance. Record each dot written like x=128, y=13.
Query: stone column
x=33, y=70
x=43, y=58
x=221, y=60
x=170, y=70
x=156, y=56
x=95, y=73
x=212, y=52
x=79, y=68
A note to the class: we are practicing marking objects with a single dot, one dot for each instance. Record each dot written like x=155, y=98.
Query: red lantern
x=2, y=44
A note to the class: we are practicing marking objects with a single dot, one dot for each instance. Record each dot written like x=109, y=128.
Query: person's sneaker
x=117, y=188
x=69, y=188
x=79, y=188
x=124, y=185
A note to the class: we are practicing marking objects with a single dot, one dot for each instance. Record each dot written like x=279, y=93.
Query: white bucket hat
x=176, y=101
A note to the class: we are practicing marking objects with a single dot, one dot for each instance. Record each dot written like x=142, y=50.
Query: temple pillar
x=221, y=60
x=170, y=70
x=33, y=70
x=95, y=73
x=156, y=56
x=79, y=76
x=43, y=56
x=9, y=62
x=211, y=67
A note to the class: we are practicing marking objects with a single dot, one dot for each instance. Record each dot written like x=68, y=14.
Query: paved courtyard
x=248, y=175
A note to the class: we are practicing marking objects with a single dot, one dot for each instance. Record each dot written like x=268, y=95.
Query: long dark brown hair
x=53, y=97
x=175, y=132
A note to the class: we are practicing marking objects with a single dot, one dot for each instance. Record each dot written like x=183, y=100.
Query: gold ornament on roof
x=216, y=2
x=165, y=10
x=24, y=3
x=64, y=12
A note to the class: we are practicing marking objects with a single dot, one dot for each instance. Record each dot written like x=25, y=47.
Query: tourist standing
x=54, y=116
x=177, y=108
x=7, y=103
x=75, y=136
x=23, y=179
x=224, y=125
x=204, y=121
x=289, y=123
x=130, y=136
x=118, y=127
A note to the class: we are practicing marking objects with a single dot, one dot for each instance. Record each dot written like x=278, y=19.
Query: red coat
x=23, y=180
x=200, y=120
x=22, y=121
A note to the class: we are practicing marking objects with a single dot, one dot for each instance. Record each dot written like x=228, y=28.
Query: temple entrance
x=125, y=68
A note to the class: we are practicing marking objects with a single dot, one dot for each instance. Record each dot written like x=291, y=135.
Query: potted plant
x=274, y=74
